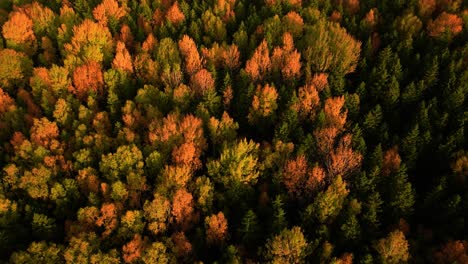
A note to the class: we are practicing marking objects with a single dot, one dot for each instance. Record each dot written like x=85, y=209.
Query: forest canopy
x=233, y=131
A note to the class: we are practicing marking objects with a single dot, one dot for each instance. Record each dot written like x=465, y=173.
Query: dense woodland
x=233, y=131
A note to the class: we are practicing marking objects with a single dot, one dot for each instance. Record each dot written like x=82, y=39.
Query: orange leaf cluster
x=309, y=101
x=187, y=154
x=391, y=161
x=343, y=160
x=299, y=179
x=202, y=82
x=225, y=8
x=19, y=28
x=133, y=249
x=188, y=48
x=183, y=247
x=108, y=218
x=445, y=22
x=426, y=7
x=123, y=59
x=182, y=208
x=334, y=113
x=108, y=9
x=6, y=102
x=87, y=78
x=216, y=228
x=294, y=23
x=44, y=133
x=452, y=252
x=259, y=65
x=287, y=60
x=174, y=14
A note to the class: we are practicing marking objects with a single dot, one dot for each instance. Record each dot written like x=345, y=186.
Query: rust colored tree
x=123, y=59
x=182, y=209
x=445, y=23
x=132, y=250
x=334, y=113
x=259, y=65
x=202, y=82
x=391, y=161
x=216, y=228
x=174, y=14
x=188, y=49
x=86, y=79
x=108, y=10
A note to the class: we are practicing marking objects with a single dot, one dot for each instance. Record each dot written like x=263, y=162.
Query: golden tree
x=393, y=248
x=263, y=103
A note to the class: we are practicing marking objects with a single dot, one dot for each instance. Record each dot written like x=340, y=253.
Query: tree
x=6, y=102
x=90, y=42
x=328, y=203
x=393, y=248
x=157, y=253
x=108, y=218
x=287, y=247
x=132, y=250
x=391, y=161
x=237, y=164
x=157, y=214
x=452, y=252
x=126, y=161
x=445, y=23
x=334, y=113
x=182, y=209
x=174, y=14
x=87, y=79
x=45, y=133
x=330, y=48
x=343, y=160
x=38, y=252
x=202, y=83
x=216, y=229
x=308, y=101
x=259, y=65
x=264, y=103
x=123, y=59
x=15, y=69
x=188, y=48
x=18, y=33
x=108, y=11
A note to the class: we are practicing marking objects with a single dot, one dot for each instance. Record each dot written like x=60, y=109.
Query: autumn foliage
x=216, y=228
x=259, y=65
x=87, y=79
x=445, y=23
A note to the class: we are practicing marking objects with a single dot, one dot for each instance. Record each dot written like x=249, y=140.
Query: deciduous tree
x=393, y=248
x=216, y=228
